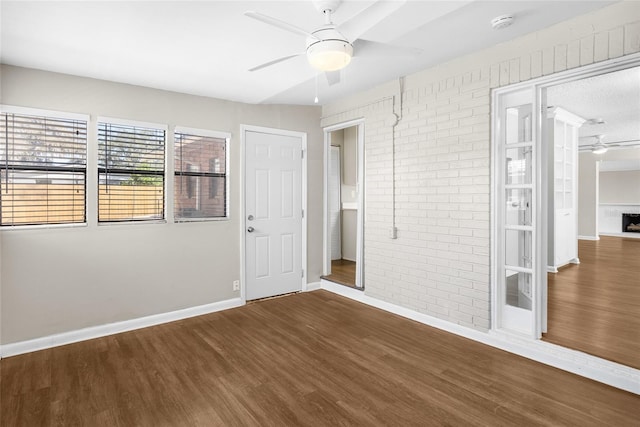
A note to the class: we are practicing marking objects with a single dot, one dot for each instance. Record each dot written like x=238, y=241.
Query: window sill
x=129, y=223
x=188, y=220
x=42, y=226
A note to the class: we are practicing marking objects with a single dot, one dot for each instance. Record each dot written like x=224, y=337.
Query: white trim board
x=70, y=337
x=359, y=123
x=588, y=237
x=576, y=362
x=626, y=235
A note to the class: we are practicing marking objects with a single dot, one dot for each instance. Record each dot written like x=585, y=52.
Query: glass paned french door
x=515, y=186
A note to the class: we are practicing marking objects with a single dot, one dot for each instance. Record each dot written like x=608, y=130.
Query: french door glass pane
x=518, y=289
x=518, y=248
x=518, y=206
x=518, y=124
x=518, y=165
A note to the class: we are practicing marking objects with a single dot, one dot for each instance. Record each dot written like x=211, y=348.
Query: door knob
x=250, y=229
x=250, y=217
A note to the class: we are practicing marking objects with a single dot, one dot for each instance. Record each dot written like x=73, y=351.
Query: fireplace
x=631, y=223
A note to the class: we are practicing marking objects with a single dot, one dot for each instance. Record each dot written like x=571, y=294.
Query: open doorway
x=593, y=139
x=344, y=207
x=536, y=182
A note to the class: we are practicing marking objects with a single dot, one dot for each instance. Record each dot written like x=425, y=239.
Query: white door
x=515, y=187
x=273, y=213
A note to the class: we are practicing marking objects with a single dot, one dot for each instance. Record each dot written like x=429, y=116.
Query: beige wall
x=350, y=156
x=62, y=279
x=337, y=138
x=349, y=234
x=438, y=186
x=620, y=187
x=1, y=290
x=588, y=175
x=347, y=140
x=349, y=194
x=350, y=165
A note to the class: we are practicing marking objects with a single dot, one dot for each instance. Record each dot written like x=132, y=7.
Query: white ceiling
x=206, y=47
x=614, y=97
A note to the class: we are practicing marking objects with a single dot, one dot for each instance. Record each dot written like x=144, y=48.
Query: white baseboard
x=312, y=287
x=628, y=235
x=70, y=337
x=588, y=237
x=586, y=365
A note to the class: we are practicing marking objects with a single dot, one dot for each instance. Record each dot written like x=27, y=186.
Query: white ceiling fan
x=331, y=47
x=599, y=147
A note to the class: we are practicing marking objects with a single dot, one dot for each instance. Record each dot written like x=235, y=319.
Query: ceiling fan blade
x=278, y=23
x=275, y=61
x=333, y=77
x=368, y=18
x=363, y=47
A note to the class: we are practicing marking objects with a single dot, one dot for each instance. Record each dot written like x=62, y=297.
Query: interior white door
x=273, y=208
x=516, y=191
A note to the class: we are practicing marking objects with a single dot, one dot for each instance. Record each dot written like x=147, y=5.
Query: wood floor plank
x=342, y=272
x=309, y=359
x=594, y=306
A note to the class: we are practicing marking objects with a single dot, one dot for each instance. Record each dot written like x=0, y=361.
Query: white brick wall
x=439, y=264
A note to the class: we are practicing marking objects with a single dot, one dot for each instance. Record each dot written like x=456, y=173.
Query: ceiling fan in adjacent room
x=598, y=147
x=331, y=47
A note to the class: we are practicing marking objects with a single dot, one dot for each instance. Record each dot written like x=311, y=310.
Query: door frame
x=243, y=183
x=539, y=86
x=326, y=238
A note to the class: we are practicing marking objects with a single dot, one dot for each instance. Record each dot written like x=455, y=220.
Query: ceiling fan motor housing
x=331, y=51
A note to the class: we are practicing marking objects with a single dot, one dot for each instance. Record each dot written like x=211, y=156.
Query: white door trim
x=539, y=86
x=326, y=251
x=274, y=131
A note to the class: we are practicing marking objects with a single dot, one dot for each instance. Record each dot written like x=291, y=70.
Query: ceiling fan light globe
x=330, y=55
x=599, y=149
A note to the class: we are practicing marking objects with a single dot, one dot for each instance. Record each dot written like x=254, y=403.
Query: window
x=43, y=168
x=193, y=182
x=200, y=175
x=130, y=172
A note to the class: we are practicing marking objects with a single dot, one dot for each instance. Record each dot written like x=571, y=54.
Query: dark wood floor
x=594, y=307
x=342, y=272
x=308, y=359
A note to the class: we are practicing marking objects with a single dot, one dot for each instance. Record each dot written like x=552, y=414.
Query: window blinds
x=131, y=163
x=42, y=169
